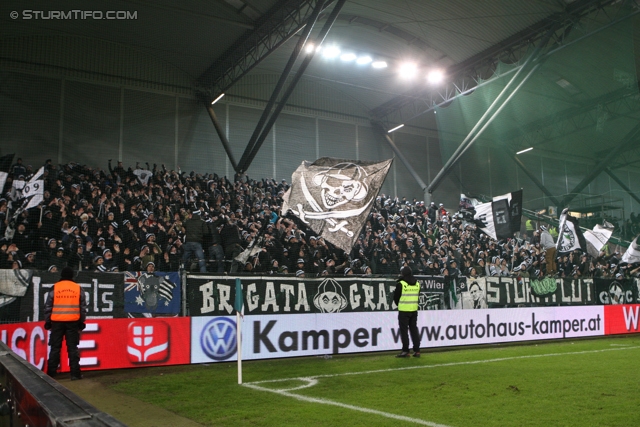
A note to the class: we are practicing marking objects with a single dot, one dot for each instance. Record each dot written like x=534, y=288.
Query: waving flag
x=598, y=237
x=34, y=189
x=334, y=196
x=5, y=166
x=570, y=237
x=632, y=254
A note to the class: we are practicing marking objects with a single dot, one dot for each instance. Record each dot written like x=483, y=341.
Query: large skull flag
x=334, y=196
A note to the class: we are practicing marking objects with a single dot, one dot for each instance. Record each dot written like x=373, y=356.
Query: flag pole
x=239, y=302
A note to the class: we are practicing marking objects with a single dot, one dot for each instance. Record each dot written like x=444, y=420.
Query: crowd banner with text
x=215, y=295
x=152, y=293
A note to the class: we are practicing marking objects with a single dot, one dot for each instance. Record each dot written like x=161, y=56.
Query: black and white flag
x=5, y=166
x=493, y=218
x=632, y=255
x=34, y=189
x=570, y=237
x=515, y=208
x=334, y=196
x=598, y=237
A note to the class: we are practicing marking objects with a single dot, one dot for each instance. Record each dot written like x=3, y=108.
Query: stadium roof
x=220, y=45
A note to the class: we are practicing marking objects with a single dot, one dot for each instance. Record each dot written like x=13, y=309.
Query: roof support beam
x=221, y=135
x=385, y=134
x=283, y=78
x=278, y=25
x=535, y=180
x=630, y=138
x=466, y=75
x=331, y=19
x=622, y=184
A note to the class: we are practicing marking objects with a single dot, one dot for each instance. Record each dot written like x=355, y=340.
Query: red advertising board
x=621, y=319
x=109, y=343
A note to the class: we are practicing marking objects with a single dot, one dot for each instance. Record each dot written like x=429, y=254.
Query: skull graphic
x=343, y=183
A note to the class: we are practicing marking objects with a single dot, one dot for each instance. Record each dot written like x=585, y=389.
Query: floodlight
x=379, y=64
x=408, y=70
x=348, y=57
x=395, y=128
x=435, y=76
x=364, y=60
x=309, y=48
x=331, y=52
x=217, y=99
x=525, y=150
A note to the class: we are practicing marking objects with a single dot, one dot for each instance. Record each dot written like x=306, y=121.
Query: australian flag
x=157, y=293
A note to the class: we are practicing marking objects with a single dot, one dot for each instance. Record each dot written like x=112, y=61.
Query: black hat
x=66, y=273
x=406, y=272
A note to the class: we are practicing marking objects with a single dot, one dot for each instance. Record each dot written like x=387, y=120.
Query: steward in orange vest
x=65, y=313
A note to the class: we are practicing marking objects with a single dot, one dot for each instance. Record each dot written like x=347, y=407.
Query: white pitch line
x=471, y=362
x=313, y=380
x=344, y=405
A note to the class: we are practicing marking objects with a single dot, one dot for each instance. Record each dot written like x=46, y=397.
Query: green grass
x=584, y=383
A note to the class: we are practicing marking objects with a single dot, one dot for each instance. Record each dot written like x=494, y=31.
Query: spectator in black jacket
x=195, y=229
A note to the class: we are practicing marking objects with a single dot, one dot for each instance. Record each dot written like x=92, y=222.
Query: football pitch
x=570, y=383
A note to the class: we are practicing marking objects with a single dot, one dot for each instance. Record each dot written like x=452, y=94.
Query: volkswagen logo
x=218, y=339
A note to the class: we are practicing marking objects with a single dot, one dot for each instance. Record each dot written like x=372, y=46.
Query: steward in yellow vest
x=406, y=297
x=65, y=313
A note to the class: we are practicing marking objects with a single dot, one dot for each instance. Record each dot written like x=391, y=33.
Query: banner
x=334, y=196
x=215, y=295
x=514, y=199
x=157, y=293
x=5, y=167
x=276, y=336
x=104, y=293
x=622, y=319
x=614, y=291
x=34, y=189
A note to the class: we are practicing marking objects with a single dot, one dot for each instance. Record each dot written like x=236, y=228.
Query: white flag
x=34, y=189
x=570, y=237
x=597, y=238
x=143, y=175
x=632, y=254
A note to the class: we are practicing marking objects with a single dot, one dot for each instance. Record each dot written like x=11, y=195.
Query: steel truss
x=277, y=26
x=481, y=69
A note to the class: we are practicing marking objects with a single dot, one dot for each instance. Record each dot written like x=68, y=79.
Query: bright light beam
x=379, y=64
x=217, y=99
x=331, y=52
x=348, y=57
x=524, y=151
x=364, y=60
x=435, y=76
x=408, y=70
x=395, y=128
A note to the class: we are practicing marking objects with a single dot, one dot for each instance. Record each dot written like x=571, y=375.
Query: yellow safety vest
x=529, y=225
x=410, y=297
x=66, y=301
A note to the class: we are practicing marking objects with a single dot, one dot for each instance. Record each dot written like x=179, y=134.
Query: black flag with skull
x=334, y=196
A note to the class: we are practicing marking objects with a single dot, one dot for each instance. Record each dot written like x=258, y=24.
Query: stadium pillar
x=223, y=137
x=281, y=82
x=380, y=128
x=331, y=19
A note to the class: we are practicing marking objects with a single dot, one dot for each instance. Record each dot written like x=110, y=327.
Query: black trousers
x=408, y=321
x=69, y=331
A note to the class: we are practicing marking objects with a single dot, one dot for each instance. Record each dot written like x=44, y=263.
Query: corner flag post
x=238, y=305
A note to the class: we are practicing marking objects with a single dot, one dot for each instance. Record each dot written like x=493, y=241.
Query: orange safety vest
x=66, y=302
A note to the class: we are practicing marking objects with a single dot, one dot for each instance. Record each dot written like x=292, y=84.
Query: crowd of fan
x=97, y=220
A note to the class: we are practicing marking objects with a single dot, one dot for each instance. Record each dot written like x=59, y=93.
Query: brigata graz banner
x=214, y=295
